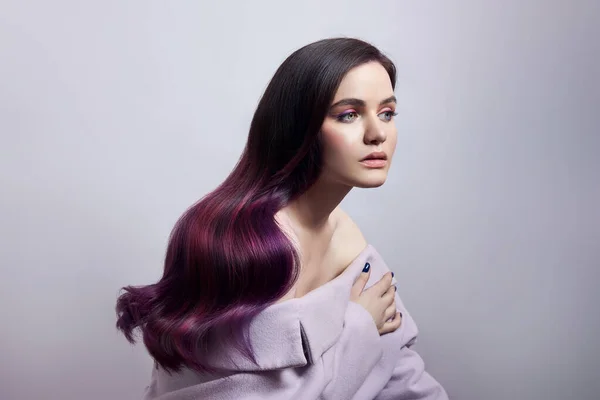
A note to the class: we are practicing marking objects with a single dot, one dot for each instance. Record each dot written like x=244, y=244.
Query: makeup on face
x=348, y=110
x=377, y=159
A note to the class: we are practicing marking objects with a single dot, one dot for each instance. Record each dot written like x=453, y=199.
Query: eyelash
x=340, y=117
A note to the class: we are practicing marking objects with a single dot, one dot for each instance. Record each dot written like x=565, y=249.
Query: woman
x=269, y=290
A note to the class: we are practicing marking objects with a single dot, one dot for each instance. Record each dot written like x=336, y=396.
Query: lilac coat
x=319, y=346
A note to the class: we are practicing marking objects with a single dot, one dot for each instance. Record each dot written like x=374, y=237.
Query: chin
x=373, y=181
x=370, y=185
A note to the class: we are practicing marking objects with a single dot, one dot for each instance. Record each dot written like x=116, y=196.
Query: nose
x=374, y=131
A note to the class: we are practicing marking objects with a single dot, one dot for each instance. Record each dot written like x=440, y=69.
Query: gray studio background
x=117, y=115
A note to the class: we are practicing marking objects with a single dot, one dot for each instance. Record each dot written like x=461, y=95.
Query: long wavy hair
x=227, y=258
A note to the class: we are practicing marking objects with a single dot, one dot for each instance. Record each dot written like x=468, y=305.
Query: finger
x=391, y=326
x=361, y=281
x=390, y=312
x=390, y=295
x=383, y=285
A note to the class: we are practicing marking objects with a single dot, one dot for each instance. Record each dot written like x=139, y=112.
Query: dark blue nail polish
x=366, y=268
x=392, y=274
x=395, y=289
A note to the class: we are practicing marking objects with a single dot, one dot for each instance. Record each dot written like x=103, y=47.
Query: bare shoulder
x=347, y=231
x=348, y=241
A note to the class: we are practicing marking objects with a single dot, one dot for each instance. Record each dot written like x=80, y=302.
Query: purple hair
x=227, y=258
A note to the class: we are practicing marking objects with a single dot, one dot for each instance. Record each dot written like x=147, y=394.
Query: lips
x=375, y=160
x=378, y=155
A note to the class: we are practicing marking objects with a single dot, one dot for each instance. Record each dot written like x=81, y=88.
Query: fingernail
x=395, y=288
x=392, y=274
x=366, y=268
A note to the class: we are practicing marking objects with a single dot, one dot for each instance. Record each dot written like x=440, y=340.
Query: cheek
x=341, y=139
x=333, y=140
x=337, y=143
x=337, y=148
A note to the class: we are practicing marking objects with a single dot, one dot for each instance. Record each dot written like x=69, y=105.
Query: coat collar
x=296, y=332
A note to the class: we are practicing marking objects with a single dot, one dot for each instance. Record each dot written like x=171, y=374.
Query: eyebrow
x=361, y=103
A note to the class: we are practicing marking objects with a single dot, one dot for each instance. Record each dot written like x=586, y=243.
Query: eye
x=388, y=115
x=348, y=117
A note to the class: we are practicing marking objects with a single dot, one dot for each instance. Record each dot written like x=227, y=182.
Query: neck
x=312, y=210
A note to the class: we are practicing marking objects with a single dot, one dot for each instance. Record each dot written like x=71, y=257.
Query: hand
x=379, y=300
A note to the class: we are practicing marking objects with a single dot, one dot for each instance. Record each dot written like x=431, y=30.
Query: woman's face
x=360, y=122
